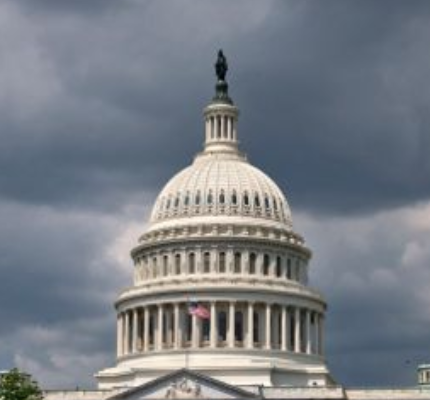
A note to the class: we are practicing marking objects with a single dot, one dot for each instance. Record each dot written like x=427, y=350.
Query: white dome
x=221, y=184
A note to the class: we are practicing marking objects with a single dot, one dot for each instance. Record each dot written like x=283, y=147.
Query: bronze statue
x=221, y=66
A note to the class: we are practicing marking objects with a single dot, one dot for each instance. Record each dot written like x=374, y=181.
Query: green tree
x=16, y=385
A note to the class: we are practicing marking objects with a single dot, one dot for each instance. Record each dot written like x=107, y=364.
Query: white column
x=283, y=328
x=297, y=321
x=268, y=321
x=146, y=329
x=213, y=326
x=127, y=333
x=207, y=129
x=250, y=320
x=184, y=262
x=231, y=315
x=308, y=332
x=119, y=335
x=272, y=268
x=260, y=258
x=135, y=331
x=214, y=261
x=199, y=261
x=160, y=327
x=245, y=261
x=229, y=130
x=230, y=261
x=194, y=332
x=177, y=329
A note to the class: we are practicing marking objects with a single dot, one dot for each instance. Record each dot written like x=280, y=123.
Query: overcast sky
x=101, y=102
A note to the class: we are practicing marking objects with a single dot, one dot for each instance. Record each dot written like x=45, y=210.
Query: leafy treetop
x=16, y=385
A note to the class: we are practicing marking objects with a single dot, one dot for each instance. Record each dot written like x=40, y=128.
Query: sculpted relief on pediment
x=184, y=385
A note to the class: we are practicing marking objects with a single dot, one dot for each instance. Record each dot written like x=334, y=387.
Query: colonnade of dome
x=232, y=324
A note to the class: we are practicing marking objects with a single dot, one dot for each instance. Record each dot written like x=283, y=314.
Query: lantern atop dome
x=221, y=114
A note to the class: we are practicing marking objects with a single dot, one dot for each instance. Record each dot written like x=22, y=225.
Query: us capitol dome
x=220, y=276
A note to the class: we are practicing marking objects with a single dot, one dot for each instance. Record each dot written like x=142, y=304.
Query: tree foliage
x=16, y=385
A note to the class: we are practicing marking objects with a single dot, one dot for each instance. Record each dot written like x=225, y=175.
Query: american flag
x=197, y=309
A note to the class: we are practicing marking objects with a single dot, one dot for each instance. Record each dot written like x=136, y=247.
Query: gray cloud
x=374, y=273
x=332, y=86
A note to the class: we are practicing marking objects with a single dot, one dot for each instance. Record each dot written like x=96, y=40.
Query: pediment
x=184, y=384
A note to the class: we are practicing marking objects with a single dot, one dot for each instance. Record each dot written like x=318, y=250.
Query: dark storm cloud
x=324, y=88
x=348, y=114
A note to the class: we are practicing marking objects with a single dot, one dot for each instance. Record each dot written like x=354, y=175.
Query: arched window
x=207, y=262
x=234, y=198
x=168, y=204
x=177, y=264
x=177, y=201
x=191, y=263
x=275, y=204
x=252, y=262
x=222, y=198
x=278, y=266
x=165, y=265
x=266, y=264
x=266, y=202
x=237, y=263
x=210, y=198
x=154, y=267
x=256, y=201
x=246, y=199
x=222, y=262
x=289, y=268
x=197, y=199
x=187, y=199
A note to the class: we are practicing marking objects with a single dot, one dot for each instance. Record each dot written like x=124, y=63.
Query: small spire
x=221, y=87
